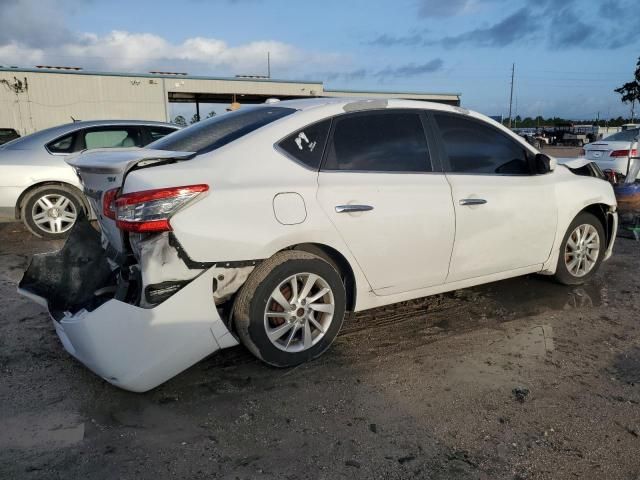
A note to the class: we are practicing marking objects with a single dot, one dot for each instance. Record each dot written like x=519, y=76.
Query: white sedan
x=613, y=152
x=263, y=226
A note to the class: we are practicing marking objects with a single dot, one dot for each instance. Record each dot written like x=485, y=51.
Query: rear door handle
x=353, y=208
x=473, y=201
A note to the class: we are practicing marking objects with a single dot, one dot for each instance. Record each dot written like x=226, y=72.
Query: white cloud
x=36, y=32
x=121, y=50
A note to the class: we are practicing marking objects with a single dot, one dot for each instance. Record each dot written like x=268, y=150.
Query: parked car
x=613, y=152
x=8, y=134
x=264, y=225
x=40, y=189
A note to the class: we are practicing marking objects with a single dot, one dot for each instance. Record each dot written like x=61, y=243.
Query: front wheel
x=290, y=309
x=581, y=250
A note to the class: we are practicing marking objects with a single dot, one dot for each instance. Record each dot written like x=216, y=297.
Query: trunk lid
x=601, y=151
x=105, y=169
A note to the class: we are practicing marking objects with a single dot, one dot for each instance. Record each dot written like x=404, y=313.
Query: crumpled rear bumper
x=131, y=347
x=136, y=348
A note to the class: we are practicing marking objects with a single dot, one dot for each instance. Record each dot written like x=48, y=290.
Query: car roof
x=41, y=137
x=363, y=103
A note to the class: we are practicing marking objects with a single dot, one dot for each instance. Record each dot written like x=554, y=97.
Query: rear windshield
x=624, y=136
x=215, y=132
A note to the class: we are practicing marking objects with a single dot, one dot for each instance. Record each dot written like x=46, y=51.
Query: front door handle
x=473, y=201
x=353, y=208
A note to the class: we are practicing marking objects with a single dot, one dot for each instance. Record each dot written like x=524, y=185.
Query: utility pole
x=513, y=71
x=268, y=64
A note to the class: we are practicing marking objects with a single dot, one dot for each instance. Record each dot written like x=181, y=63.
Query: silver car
x=39, y=188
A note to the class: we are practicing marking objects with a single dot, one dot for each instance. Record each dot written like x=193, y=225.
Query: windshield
x=213, y=133
x=624, y=136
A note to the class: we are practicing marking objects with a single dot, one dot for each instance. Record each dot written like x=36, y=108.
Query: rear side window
x=112, y=138
x=220, y=130
x=156, y=133
x=61, y=145
x=379, y=142
x=306, y=145
x=475, y=148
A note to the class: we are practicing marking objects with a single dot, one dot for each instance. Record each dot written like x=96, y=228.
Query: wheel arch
x=28, y=190
x=601, y=212
x=339, y=262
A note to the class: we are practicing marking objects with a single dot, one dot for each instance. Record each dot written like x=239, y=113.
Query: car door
x=506, y=216
x=387, y=199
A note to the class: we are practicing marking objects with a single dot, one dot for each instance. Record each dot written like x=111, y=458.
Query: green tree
x=212, y=113
x=630, y=91
x=195, y=119
x=180, y=121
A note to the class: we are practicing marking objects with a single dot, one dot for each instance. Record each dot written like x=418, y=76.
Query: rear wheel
x=290, y=309
x=51, y=211
x=581, y=250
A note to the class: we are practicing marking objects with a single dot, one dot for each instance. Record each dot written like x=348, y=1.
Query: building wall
x=49, y=99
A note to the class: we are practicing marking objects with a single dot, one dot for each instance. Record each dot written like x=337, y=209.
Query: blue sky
x=569, y=54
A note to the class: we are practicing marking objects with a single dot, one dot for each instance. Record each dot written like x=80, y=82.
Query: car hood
x=573, y=162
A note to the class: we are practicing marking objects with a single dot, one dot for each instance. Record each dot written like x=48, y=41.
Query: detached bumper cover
x=131, y=347
x=137, y=349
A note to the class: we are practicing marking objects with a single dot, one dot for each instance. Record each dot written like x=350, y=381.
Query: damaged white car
x=264, y=225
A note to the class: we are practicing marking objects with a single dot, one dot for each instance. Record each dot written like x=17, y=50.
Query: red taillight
x=109, y=203
x=624, y=153
x=150, y=210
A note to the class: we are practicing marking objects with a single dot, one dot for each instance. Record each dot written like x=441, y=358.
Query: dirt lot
x=561, y=152
x=423, y=389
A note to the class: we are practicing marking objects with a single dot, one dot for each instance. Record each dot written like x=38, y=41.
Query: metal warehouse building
x=35, y=98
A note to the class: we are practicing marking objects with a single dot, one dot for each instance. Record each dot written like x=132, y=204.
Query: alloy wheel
x=54, y=213
x=582, y=250
x=299, y=312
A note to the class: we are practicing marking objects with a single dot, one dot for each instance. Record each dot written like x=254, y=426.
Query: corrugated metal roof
x=61, y=71
x=389, y=92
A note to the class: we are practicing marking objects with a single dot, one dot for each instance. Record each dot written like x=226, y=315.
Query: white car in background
x=264, y=225
x=39, y=188
x=613, y=152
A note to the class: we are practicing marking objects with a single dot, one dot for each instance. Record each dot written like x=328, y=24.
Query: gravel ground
x=561, y=151
x=433, y=388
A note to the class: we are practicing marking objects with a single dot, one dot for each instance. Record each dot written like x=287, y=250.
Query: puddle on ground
x=532, y=295
x=627, y=366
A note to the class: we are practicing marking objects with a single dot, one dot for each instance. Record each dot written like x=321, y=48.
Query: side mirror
x=545, y=163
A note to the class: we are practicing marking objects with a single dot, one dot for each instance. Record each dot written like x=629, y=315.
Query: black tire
x=563, y=275
x=251, y=303
x=30, y=207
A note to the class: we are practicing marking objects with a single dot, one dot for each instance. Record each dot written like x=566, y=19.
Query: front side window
x=112, y=138
x=475, y=148
x=379, y=142
x=62, y=145
x=306, y=145
x=213, y=133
